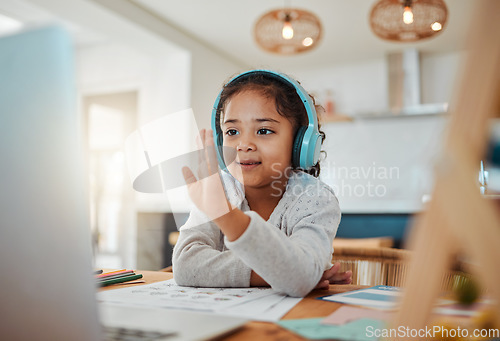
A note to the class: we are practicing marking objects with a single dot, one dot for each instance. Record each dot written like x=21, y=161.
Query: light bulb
x=287, y=31
x=436, y=26
x=407, y=15
x=308, y=41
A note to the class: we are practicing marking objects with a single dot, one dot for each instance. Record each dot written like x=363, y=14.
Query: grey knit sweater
x=290, y=251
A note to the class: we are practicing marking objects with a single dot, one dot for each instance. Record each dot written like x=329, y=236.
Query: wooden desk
x=307, y=308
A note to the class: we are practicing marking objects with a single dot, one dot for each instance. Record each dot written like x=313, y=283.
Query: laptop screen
x=47, y=291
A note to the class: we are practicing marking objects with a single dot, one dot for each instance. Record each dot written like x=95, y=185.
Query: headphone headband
x=308, y=140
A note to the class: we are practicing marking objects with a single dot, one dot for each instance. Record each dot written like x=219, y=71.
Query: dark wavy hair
x=288, y=102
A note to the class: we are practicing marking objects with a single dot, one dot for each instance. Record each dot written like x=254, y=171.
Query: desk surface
x=307, y=308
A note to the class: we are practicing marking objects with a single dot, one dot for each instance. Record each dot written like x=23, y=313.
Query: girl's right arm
x=199, y=258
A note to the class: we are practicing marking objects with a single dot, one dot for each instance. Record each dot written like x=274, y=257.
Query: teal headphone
x=307, y=142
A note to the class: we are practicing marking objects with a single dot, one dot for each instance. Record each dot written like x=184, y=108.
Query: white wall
x=126, y=23
x=358, y=87
x=114, y=67
x=362, y=153
x=440, y=75
x=209, y=73
x=209, y=68
x=172, y=71
x=363, y=87
x=382, y=165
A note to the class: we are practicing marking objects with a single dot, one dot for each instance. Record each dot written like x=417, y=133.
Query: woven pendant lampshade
x=408, y=20
x=287, y=31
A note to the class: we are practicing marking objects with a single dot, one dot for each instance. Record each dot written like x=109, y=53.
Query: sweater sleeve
x=199, y=258
x=292, y=264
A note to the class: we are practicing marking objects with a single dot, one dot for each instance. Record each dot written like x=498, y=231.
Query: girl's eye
x=264, y=131
x=231, y=132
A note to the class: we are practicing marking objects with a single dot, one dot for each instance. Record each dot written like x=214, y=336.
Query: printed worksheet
x=168, y=294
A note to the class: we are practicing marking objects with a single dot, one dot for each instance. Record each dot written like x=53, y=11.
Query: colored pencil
x=119, y=280
x=125, y=274
x=114, y=273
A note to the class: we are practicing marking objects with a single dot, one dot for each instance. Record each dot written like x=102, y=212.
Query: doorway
x=108, y=120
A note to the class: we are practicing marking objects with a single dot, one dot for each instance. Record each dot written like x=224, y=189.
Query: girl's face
x=262, y=138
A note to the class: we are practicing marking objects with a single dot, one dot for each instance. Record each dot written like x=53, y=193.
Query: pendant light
x=408, y=20
x=287, y=31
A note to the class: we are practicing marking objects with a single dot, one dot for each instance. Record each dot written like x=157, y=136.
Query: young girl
x=270, y=221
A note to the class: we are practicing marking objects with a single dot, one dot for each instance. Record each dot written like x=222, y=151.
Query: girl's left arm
x=292, y=264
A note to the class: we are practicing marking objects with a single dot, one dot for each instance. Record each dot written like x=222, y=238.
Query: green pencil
x=119, y=280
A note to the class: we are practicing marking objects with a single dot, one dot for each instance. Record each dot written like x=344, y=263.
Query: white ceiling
x=227, y=25
x=31, y=15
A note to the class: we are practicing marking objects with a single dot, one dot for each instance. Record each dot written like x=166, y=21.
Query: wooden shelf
x=335, y=118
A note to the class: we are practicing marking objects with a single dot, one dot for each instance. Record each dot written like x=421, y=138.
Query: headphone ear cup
x=297, y=146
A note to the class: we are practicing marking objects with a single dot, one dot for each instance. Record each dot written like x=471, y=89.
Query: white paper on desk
x=269, y=308
x=168, y=294
x=262, y=304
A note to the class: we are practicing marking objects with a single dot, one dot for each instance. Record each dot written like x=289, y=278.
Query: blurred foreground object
x=458, y=219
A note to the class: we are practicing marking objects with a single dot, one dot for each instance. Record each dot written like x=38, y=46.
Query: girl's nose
x=245, y=146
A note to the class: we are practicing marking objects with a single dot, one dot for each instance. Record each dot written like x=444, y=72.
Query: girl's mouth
x=249, y=164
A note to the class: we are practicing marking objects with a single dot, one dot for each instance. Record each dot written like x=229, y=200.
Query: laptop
x=47, y=289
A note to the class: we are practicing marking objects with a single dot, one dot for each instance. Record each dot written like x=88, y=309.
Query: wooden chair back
x=383, y=266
